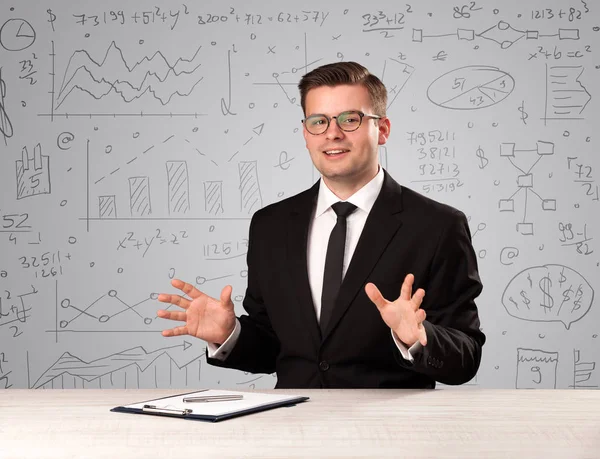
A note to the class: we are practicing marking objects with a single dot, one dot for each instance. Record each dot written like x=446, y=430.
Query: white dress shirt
x=323, y=221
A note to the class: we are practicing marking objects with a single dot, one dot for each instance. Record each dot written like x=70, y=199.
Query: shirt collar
x=363, y=198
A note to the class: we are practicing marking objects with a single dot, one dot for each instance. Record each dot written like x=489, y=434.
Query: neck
x=343, y=189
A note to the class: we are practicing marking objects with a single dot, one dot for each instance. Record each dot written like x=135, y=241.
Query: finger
x=171, y=315
x=188, y=289
x=375, y=295
x=226, y=296
x=417, y=298
x=175, y=331
x=420, y=316
x=177, y=300
x=406, y=290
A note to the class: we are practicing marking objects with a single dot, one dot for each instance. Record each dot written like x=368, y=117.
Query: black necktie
x=334, y=261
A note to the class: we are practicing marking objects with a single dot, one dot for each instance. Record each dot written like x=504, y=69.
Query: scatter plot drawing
x=536, y=369
x=549, y=293
x=33, y=174
x=470, y=88
x=525, y=181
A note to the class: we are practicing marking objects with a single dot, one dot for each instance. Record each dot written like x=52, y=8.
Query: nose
x=333, y=130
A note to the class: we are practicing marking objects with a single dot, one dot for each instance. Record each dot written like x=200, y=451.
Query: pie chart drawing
x=16, y=35
x=471, y=88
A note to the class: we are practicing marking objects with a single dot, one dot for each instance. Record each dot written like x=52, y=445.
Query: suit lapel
x=381, y=225
x=297, y=241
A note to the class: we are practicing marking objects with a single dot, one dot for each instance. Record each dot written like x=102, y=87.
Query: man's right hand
x=205, y=317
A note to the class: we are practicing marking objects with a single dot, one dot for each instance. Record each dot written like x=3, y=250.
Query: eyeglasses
x=347, y=121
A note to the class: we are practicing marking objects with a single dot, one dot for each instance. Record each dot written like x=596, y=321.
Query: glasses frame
x=361, y=114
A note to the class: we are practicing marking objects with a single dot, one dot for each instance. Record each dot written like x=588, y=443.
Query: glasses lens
x=316, y=124
x=349, y=121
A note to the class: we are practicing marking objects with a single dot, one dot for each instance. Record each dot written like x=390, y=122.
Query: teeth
x=333, y=152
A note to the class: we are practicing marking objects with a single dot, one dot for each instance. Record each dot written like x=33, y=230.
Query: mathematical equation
x=158, y=238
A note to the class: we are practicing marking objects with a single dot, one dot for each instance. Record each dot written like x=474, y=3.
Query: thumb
x=375, y=295
x=226, y=296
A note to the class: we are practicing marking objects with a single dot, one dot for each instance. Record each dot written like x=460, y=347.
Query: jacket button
x=324, y=366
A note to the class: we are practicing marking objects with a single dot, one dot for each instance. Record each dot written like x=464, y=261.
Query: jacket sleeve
x=257, y=347
x=454, y=341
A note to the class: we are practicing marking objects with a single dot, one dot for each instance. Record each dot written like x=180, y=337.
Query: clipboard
x=213, y=411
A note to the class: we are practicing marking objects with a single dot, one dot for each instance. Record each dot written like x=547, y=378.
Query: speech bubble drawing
x=549, y=293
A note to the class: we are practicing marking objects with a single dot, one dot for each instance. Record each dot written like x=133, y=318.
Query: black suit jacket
x=405, y=232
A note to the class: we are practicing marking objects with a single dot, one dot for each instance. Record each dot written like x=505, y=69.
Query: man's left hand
x=403, y=315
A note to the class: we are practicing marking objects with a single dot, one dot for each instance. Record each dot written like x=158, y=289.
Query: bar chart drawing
x=250, y=197
x=213, y=197
x=179, y=189
x=33, y=174
x=107, y=206
x=139, y=196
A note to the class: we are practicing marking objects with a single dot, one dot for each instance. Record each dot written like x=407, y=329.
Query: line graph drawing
x=152, y=76
x=131, y=368
x=501, y=33
x=525, y=181
x=566, y=96
x=470, y=88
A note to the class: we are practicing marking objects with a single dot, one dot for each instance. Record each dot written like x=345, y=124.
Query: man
x=371, y=331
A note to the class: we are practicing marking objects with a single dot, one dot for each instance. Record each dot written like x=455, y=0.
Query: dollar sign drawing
x=547, y=300
x=562, y=277
x=525, y=299
x=481, y=155
x=52, y=18
x=566, y=296
x=524, y=114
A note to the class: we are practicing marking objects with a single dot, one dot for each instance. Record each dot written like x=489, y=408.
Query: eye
x=316, y=121
x=349, y=118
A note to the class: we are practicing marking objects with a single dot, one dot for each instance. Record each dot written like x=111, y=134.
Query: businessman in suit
x=332, y=271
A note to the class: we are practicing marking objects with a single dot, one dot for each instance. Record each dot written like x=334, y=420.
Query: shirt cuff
x=406, y=352
x=222, y=352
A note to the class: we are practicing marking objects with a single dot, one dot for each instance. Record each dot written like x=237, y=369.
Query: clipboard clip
x=158, y=410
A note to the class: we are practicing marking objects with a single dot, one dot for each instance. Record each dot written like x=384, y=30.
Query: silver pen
x=212, y=398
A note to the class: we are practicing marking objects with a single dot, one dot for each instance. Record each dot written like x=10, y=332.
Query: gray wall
x=136, y=142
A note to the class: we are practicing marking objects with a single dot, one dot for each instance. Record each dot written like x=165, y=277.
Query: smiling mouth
x=337, y=151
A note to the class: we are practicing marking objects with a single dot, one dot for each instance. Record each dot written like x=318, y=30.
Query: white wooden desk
x=464, y=423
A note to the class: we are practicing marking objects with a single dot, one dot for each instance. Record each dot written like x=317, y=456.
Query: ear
x=384, y=130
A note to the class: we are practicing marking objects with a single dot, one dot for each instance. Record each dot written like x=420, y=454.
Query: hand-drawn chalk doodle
x=6, y=128
x=501, y=33
x=582, y=372
x=33, y=174
x=16, y=35
x=133, y=368
x=536, y=369
x=549, y=293
x=139, y=196
x=153, y=75
x=179, y=188
x=566, y=97
x=250, y=197
x=470, y=88
x=525, y=180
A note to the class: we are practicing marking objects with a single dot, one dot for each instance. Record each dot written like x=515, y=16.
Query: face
x=357, y=163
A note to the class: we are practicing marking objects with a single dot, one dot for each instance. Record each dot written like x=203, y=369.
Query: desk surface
x=458, y=423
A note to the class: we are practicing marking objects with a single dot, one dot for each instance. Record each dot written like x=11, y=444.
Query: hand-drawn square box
x=466, y=34
x=417, y=35
x=525, y=180
x=536, y=369
x=33, y=174
x=506, y=205
x=533, y=35
x=568, y=34
x=507, y=149
x=549, y=204
x=545, y=148
x=526, y=229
